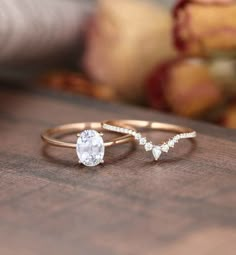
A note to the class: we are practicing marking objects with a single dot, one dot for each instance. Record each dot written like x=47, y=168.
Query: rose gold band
x=150, y=125
x=157, y=149
x=51, y=135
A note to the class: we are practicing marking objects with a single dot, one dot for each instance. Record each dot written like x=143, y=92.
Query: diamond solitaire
x=90, y=148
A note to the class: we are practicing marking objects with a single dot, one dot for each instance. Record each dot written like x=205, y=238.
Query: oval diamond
x=90, y=148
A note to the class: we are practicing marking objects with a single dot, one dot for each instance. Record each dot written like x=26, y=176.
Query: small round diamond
x=148, y=146
x=142, y=141
x=175, y=139
x=90, y=148
x=171, y=143
x=165, y=148
x=137, y=136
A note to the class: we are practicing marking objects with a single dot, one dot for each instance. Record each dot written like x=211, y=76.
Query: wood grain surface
x=184, y=204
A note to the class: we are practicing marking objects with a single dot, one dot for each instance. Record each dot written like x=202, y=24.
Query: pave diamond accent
x=148, y=146
x=165, y=148
x=171, y=143
x=137, y=136
x=143, y=141
x=90, y=148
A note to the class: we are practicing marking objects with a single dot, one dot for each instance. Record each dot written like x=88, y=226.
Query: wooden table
x=184, y=204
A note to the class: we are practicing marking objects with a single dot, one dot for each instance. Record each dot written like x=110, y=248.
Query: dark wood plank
x=185, y=204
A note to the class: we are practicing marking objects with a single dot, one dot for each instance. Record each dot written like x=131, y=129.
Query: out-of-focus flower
x=229, y=119
x=212, y=1
x=126, y=39
x=76, y=83
x=224, y=71
x=205, y=27
x=186, y=87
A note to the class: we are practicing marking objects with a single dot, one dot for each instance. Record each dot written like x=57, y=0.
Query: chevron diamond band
x=157, y=150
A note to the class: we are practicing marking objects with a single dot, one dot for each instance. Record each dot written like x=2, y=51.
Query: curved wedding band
x=90, y=146
x=182, y=133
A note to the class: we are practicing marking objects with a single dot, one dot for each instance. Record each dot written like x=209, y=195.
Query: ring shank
x=51, y=135
x=149, y=124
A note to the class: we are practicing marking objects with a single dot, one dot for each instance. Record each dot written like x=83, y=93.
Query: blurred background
x=173, y=56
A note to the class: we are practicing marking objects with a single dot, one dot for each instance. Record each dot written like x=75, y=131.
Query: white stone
x=171, y=143
x=156, y=152
x=90, y=148
x=148, y=146
x=165, y=148
x=177, y=137
x=142, y=141
x=137, y=136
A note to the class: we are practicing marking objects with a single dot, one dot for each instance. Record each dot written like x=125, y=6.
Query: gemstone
x=156, y=152
x=121, y=130
x=177, y=137
x=90, y=148
x=148, y=146
x=137, y=136
x=142, y=141
x=165, y=147
x=171, y=143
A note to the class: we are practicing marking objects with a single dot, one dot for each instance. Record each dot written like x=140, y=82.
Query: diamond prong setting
x=90, y=148
x=156, y=152
x=148, y=146
x=165, y=148
x=142, y=141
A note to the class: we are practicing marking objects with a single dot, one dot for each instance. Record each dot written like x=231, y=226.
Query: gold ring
x=90, y=146
x=157, y=150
